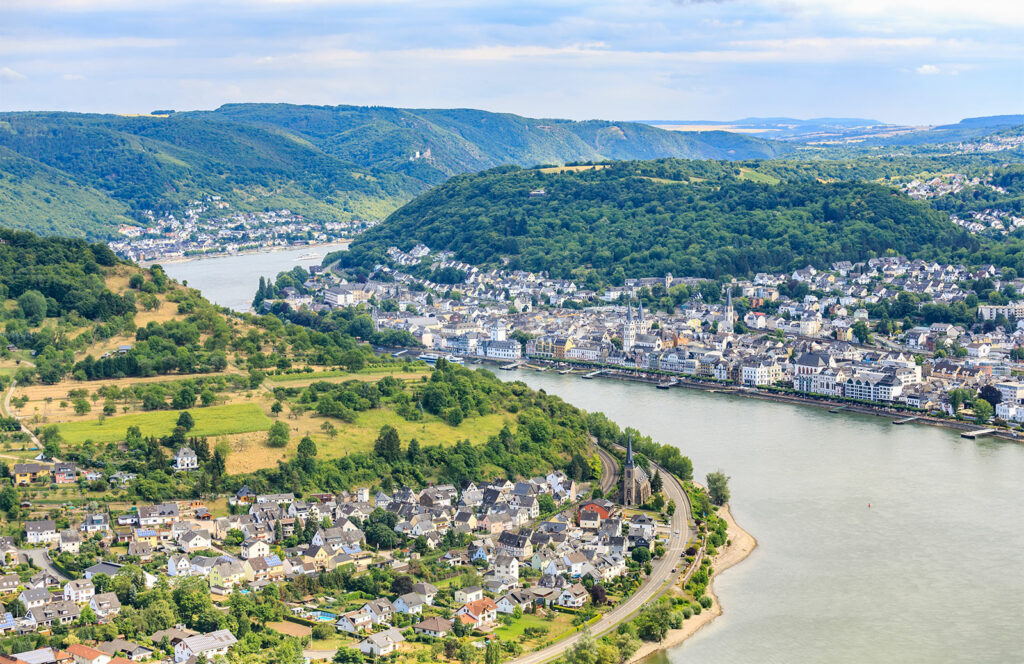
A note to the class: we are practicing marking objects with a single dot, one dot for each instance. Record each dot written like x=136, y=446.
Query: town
x=499, y=566
x=207, y=227
x=889, y=331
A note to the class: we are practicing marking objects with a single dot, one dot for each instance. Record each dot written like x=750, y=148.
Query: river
x=931, y=571
x=231, y=281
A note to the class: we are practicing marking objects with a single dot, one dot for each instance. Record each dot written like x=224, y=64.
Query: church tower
x=629, y=329
x=636, y=488
x=730, y=314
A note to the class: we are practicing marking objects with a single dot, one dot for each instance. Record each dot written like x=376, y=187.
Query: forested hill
x=699, y=218
x=82, y=175
x=451, y=141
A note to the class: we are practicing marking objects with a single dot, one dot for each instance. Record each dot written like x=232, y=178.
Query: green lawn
x=212, y=421
x=756, y=176
x=557, y=624
x=363, y=374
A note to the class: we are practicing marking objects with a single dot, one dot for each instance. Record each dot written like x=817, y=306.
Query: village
x=518, y=563
x=209, y=227
x=810, y=332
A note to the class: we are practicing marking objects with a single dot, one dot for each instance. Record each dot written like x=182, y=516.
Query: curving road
x=661, y=579
x=610, y=475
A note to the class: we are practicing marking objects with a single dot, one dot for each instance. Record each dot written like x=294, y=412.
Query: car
x=676, y=532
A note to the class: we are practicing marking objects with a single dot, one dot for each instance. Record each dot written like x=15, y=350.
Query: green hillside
x=700, y=218
x=36, y=197
x=465, y=140
x=114, y=165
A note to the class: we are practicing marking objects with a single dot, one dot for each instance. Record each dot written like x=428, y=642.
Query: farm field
x=211, y=421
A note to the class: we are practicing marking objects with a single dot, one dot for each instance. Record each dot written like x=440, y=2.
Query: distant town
x=209, y=227
x=890, y=331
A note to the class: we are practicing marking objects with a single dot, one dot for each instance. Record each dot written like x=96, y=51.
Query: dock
x=564, y=372
x=510, y=367
x=977, y=433
x=837, y=410
x=906, y=420
x=594, y=374
x=666, y=384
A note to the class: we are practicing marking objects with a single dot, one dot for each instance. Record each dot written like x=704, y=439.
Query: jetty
x=977, y=433
x=837, y=410
x=510, y=367
x=906, y=420
x=594, y=374
x=665, y=384
x=564, y=372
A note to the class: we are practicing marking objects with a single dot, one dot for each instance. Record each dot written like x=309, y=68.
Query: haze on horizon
x=898, y=61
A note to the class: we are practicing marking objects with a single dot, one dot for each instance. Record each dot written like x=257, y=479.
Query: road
x=610, y=475
x=661, y=579
x=42, y=561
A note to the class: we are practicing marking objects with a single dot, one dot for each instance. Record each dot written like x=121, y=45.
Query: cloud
x=41, y=45
x=928, y=70
x=8, y=75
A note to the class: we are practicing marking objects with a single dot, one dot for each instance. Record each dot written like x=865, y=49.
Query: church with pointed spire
x=636, y=486
x=634, y=326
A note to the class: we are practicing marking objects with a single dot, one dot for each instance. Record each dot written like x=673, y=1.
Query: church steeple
x=629, y=451
x=629, y=311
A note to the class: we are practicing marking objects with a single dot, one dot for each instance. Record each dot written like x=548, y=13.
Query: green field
x=360, y=435
x=212, y=421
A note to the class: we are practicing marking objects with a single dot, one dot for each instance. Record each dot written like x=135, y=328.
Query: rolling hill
x=84, y=174
x=697, y=218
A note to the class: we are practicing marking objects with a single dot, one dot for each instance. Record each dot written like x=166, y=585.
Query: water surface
x=930, y=572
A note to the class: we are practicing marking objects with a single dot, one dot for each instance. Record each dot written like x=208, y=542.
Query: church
x=636, y=487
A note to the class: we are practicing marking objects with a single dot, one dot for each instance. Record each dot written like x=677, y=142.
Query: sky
x=901, y=61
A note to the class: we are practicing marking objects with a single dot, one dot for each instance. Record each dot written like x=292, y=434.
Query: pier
x=906, y=420
x=665, y=384
x=977, y=433
x=594, y=374
x=510, y=367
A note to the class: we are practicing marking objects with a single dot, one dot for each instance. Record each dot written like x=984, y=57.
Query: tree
x=670, y=509
x=413, y=452
x=990, y=394
x=234, y=537
x=329, y=429
x=466, y=653
x=33, y=305
x=493, y=653
x=658, y=502
x=402, y=584
x=348, y=656
x=982, y=410
x=276, y=408
x=278, y=435
x=861, y=331
x=546, y=503
x=641, y=554
x=388, y=445
x=656, y=482
x=185, y=421
x=718, y=487
x=307, y=448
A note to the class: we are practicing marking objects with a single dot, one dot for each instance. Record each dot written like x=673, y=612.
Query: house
x=26, y=473
x=105, y=605
x=41, y=532
x=516, y=544
x=131, y=650
x=34, y=597
x=355, y=621
x=479, y=613
x=410, y=603
x=381, y=609
x=227, y=574
x=185, y=459
x=108, y=568
x=70, y=541
x=141, y=550
x=517, y=598
x=426, y=590
x=158, y=515
x=208, y=645
x=574, y=596
x=255, y=548
x=64, y=473
x=506, y=566
x=194, y=540
x=79, y=591
x=86, y=655
x=55, y=613
x=381, y=643
x=9, y=583
x=435, y=626
x=469, y=594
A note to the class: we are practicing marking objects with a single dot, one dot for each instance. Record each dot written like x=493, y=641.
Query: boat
x=429, y=358
x=666, y=384
x=309, y=256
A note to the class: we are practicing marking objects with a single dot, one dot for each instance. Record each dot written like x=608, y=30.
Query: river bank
x=246, y=252
x=817, y=401
x=741, y=544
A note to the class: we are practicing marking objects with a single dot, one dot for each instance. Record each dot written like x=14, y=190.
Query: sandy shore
x=742, y=545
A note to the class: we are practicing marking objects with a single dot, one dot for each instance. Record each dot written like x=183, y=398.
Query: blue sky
x=902, y=61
